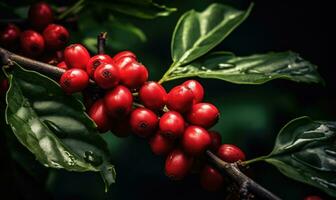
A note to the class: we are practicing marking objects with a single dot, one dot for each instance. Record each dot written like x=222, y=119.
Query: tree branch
x=245, y=183
x=101, y=40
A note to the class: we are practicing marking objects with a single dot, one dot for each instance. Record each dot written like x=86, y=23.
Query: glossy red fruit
x=196, y=88
x=123, y=54
x=96, y=61
x=32, y=43
x=122, y=62
x=133, y=75
x=230, y=153
x=144, y=122
x=216, y=140
x=55, y=36
x=180, y=99
x=10, y=35
x=4, y=85
x=98, y=114
x=312, y=197
x=40, y=15
x=106, y=76
x=122, y=127
x=203, y=114
x=211, y=179
x=178, y=164
x=76, y=56
x=62, y=65
x=118, y=101
x=74, y=80
x=153, y=95
x=195, y=140
x=161, y=145
x=172, y=124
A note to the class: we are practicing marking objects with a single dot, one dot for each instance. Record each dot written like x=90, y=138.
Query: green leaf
x=54, y=126
x=305, y=150
x=145, y=9
x=255, y=69
x=196, y=33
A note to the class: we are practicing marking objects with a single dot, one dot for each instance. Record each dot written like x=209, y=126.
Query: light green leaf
x=54, y=126
x=196, y=33
x=255, y=69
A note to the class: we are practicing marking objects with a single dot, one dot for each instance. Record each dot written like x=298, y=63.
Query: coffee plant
x=61, y=98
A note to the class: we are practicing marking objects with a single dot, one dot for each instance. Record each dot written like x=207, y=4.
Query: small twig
x=101, y=41
x=245, y=183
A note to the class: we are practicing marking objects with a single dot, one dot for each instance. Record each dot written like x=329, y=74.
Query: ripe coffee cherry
x=74, y=80
x=178, y=164
x=230, y=153
x=195, y=140
x=10, y=35
x=76, y=56
x=133, y=75
x=122, y=62
x=96, y=61
x=62, y=65
x=172, y=124
x=143, y=122
x=312, y=197
x=211, y=179
x=161, y=145
x=55, y=36
x=123, y=54
x=196, y=88
x=153, y=95
x=118, y=101
x=203, y=114
x=216, y=140
x=40, y=15
x=106, y=76
x=32, y=43
x=98, y=114
x=180, y=99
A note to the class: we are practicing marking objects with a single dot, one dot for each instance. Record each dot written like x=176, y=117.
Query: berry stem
x=246, y=184
x=101, y=41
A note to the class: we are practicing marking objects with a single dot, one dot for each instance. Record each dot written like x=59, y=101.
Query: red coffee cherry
x=180, y=99
x=96, y=61
x=203, y=114
x=172, y=124
x=195, y=140
x=98, y=114
x=121, y=127
x=76, y=56
x=106, y=76
x=40, y=15
x=118, y=102
x=123, y=54
x=153, y=95
x=10, y=35
x=196, y=88
x=216, y=140
x=133, y=75
x=178, y=164
x=32, y=43
x=161, y=145
x=312, y=197
x=230, y=153
x=55, y=36
x=4, y=85
x=74, y=80
x=143, y=122
x=123, y=61
x=211, y=179
x=62, y=65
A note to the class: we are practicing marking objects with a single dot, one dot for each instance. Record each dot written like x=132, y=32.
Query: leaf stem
x=261, y=158
x=166, y=74
x=71, y=9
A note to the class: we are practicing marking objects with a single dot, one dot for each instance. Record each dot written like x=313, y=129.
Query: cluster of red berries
x=42, y=40
x=174, y=123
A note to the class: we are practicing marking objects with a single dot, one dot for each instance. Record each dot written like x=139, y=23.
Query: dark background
x=251, y=115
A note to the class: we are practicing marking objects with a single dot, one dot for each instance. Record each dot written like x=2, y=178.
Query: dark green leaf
x=305, y=150
x=255, y=69
x=196, y=33
x=146, y=9
x=54, y=126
